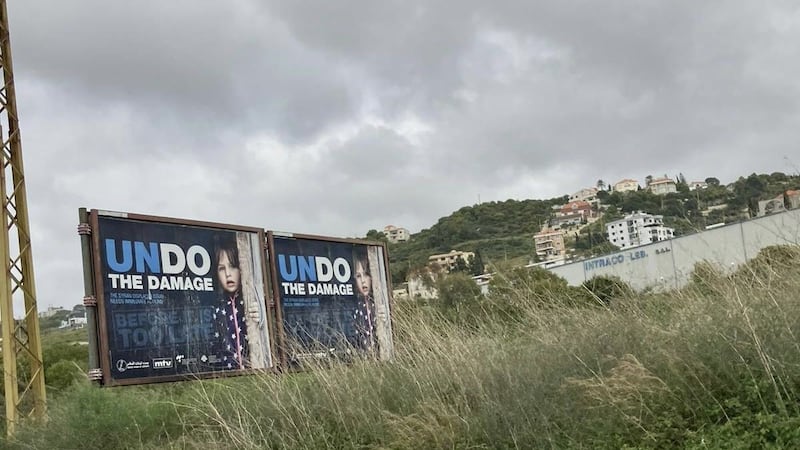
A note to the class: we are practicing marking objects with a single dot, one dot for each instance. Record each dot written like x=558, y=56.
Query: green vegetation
x=497, y=230
x=504, y=231
x=536, y=364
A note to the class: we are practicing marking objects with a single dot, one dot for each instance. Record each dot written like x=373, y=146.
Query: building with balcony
x=549, y=245
x=449, y=261
x=396, y=234
x=638, y=229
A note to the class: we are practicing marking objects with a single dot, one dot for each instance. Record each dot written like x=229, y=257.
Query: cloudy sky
x=337, y=117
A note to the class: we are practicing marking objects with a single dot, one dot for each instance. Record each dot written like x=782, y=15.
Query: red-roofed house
x=573, y=213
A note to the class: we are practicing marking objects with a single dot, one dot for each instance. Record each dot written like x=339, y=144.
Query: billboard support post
x=89, y=299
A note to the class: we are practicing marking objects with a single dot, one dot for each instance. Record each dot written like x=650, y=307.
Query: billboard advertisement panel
x=333, y=296
x=178, y=299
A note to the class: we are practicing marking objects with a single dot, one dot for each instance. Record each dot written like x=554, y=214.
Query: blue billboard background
x=180, y=299
x=327, y=293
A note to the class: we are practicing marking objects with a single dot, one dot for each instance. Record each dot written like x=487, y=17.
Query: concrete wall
x=668, y=264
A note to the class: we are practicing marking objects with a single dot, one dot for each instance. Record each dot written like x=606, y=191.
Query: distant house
x=584, y=195
x=77, y=318
x=483, y=281
x=422, y=285
x=771, y=206
x=448, y=261
x=694, y=185
x=396, y=234
x=51, y=311
x=562, y=221
x=662, y=186
x=549, y=245
x=626, y=185
x=573, y=213
x=77, y=321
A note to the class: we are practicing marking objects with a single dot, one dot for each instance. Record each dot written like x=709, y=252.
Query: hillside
x=498, y=230
x=503, y=231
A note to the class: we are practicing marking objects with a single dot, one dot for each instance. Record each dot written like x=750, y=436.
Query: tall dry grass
x=714, y=365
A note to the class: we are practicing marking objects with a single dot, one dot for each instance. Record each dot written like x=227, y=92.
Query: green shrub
x=457, y=289
x=706, y=278
x=63, y=374
x=607, y=288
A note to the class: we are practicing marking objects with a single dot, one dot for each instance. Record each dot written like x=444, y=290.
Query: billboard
x=332, y=296
x=178, y=299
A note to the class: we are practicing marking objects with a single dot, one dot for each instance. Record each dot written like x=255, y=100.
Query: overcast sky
x=335, y=117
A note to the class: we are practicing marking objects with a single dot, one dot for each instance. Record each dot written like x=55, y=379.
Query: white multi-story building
x=396, y=234
x=638, y=229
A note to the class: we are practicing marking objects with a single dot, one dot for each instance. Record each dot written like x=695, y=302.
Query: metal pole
x=22, y=338
x=89, y=299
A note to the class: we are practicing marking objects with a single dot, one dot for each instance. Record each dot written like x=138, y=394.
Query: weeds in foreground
x=715, y=365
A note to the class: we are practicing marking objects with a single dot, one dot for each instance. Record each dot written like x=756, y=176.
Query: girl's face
x=228, y=275
x=363, y=279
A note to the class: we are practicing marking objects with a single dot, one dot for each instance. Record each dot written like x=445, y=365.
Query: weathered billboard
x=332, y=297
x=178, y=299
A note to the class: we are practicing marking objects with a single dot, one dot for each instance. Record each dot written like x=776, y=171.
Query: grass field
x=715, y=365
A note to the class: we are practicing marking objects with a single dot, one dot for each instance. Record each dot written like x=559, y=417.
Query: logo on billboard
x=123, y=365
x=162, y=363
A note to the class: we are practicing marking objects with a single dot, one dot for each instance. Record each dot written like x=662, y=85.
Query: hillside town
x=592, y=207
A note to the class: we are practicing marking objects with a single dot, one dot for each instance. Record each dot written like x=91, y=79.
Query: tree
x=476, y=266
x=711, y=181
x=606, y=288
x=535, y=286
x=460, y=266
x=601, y=184
x=681, y=185
x=456, y=289
x=648, y=179
x=375, y=235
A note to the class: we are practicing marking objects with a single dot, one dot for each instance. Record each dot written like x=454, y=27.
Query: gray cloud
x=334, y=118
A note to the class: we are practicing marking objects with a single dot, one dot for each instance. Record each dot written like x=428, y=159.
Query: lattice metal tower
x=24, y=383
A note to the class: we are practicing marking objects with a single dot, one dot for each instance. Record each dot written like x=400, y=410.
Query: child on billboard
x=364, y=315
